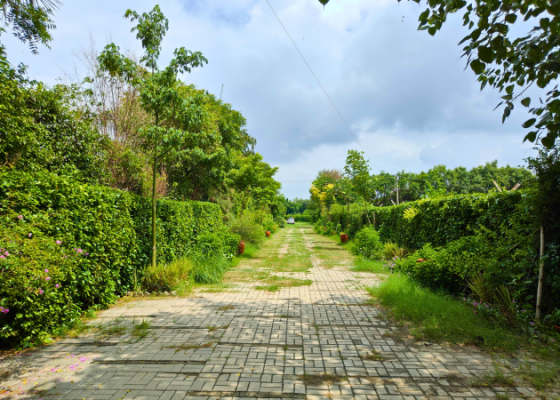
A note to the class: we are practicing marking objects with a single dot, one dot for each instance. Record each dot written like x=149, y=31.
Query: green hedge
x=300, y=217
x=94, y=241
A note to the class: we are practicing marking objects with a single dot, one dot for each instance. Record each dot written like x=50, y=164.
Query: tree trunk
x=541, y=277
x=154, y=240
x=367, y=215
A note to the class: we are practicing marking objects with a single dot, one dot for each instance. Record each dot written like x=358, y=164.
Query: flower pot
x=557, y=328
x=420, y=260
x=267, y=233
x=344, y=238
x=241, y=249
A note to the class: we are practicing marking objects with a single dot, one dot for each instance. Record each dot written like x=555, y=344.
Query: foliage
x=391, y=250
x=94, y=243
x=439, y=318
x=510, y=55
x=30, y=20
x=281, y=222
x=158, y=92
x=296, y=206
x=367, y=243
x=167, y=277
x=300, y=218
x=368, y=265
x=41, y=130
x=249, y=229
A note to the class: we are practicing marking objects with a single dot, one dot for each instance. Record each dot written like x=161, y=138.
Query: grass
x=373, y=356
x=316, y=380
x=494, y=377
x=168, y=277
x=141, y=330
x=374, y=266
x=438, y=318
x=185, y=347
x=115, y=327
x=277, y=282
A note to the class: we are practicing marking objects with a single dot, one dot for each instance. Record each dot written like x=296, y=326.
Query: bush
x=105, y=245
x=391, y=250
x=167, y=277
x=281, y=222
x=367, y=243
x=249, y=230
x=208, y=268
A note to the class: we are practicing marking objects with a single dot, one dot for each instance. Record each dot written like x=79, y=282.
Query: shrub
x=250, y=231
x=367, y=244
x=391, y=250
x=208, y=268
x=167, y=277
x=281, y=222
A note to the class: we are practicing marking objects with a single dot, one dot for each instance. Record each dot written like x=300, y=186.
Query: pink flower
x=20, y=217
x=6, y=254
x=475, y=304
x=40, y=291
x=30, y=234
x=48, y=278
x=57, y=286
x=47, y=271
x=59, y=242
x=2, y=256
x=79, y=250
x=82, y=359
x=475, y=312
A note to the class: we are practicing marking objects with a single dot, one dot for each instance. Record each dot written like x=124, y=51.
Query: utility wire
x=317, y=79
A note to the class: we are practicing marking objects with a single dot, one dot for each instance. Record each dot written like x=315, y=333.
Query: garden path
x=242, y=340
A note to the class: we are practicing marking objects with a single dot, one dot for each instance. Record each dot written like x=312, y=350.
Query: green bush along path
x=291, y=321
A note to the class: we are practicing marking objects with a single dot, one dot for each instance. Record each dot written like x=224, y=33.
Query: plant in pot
x=343, y=237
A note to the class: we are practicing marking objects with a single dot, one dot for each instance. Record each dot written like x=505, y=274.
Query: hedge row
x=300, y=217
x=438, y=221
x=93, y=241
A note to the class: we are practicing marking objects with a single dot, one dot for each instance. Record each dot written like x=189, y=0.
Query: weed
x=373, y=356
x=277, y=282
x=495, y=377
x=436, y=317
x=225, y=308
x=211, y=328
x=315, y=380
x=140, y=331
x=185, y=347
x=374, y=266
x=115, y=327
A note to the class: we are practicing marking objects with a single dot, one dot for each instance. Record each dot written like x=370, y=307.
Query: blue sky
x=406, y=95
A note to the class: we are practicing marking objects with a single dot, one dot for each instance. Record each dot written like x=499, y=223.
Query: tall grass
x=374, y=266
x=437, y=317
x=208, y=268
x=167, y=277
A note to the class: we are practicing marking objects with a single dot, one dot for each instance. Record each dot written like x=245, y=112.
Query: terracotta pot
x=420, y=260
x=241, y=249
x=344, y=238
x=267, y=233
x=557, y=327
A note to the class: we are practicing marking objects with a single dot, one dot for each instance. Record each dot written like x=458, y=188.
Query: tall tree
x=158, y=89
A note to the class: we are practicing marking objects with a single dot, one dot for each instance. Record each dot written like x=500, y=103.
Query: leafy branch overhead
x=503, y=58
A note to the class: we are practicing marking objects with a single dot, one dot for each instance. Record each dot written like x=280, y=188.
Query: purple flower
x=475, y=304
x=20, y=217
x=475, y=312
x=40, y=291
x=87, y=254
x=486, y=305
x=47, y=271
x=59, y=242
x=48, y=278
x=513, y=301
x=57, y=286
x=4, y=310
x=30, y=234
x=464, y=298
x=523, y=310
x=531, y=323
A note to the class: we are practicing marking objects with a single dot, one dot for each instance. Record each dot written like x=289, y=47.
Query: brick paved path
x=259, y=347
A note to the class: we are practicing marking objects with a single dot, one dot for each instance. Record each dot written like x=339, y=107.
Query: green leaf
x=477, y=66
x=485, y=54
x=432, y=30
x=529, y=123
x=548, y=142
x=511, y=18
x=526, y=101
x=531, y=136
x=424, y=15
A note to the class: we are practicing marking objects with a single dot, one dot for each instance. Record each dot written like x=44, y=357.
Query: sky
x=405, y=95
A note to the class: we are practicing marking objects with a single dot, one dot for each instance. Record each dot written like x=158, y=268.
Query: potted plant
x=267, y=233
x=343, y=237
x=241, y=249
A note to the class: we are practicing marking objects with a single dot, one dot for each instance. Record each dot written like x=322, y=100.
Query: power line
x=317, y=79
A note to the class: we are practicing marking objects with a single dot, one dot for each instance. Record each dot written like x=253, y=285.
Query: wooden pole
x=397, y=178
x=497, y=187
x=541, y=277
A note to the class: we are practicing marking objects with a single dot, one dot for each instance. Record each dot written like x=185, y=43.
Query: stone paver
x=260, y=348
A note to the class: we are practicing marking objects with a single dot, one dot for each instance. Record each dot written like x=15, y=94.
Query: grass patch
x=141, y=330
x=225, y=308
x=540, y=375
x=374, y=266
x=373, y=356
x=494, y=377
x=316, y=380
x=185, y=347
x=277, y=282
x=439, y=318
x=115, y=327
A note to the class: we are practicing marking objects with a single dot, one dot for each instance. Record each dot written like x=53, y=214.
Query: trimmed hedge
x=300, y=217
x=94, y=241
